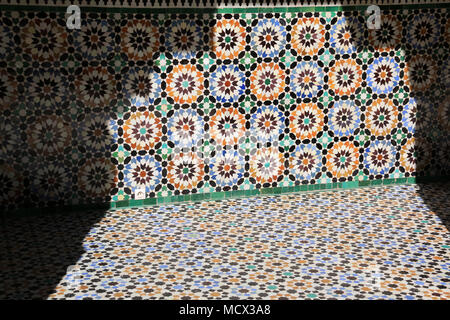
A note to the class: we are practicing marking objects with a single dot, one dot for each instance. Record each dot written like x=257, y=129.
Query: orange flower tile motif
x=267, y=81
x=421, y=72
x=142, y=130
x=49, y=135
x=185, y=171
x=96, y=87
x=185, y=83
x=97, y=177
x=44, y=39
x=308, y=36
x=227, y=126
x=345, y=77
x=305, y=162
x=381, y=117
x=139, y=39
x=415, y=155
x=266, y=165
x=342, y=159
x=306, y=121
x=228, y=39
x=388, y=36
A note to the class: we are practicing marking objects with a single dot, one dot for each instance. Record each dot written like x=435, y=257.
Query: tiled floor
x=388, y=242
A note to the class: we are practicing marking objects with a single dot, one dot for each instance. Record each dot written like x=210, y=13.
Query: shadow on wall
x=81, y=116
x=77, y=107
x=429, y=79
x=426, y=154
x=404, y=99
x=56, y=149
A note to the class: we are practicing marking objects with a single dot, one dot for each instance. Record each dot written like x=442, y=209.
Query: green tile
x=265, y=10
x=376, y=182
x=135, y=203
x=321, y=9
x=352, y=8
x=305, y=9
x=207, y=10
x=266, y=190
x=401, y=180
x=238, y=193
x=388, y=181
x=253, y=192
x=411, y=180
x=364, y=183
x=350, y=184
x=277, y=190
x=121, y=204
x=333, y=9
x=218, y=195
x=150, y=201
x=239, y=10
x=287, y=189
x=222, y=10
x=228, y=194
x=197, y=197
x=280, y=9
x=291, y=9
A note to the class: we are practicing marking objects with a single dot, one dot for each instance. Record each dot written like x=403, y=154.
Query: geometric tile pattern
x=198, y=103
x=213, y=4
x=387, y=242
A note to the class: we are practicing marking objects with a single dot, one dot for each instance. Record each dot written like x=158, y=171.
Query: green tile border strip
x=344, y=8
x=198, y=197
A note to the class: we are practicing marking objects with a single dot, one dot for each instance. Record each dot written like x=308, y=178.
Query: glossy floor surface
x=387, y=242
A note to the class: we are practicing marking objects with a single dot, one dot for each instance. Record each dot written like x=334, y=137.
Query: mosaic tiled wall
x=203, y=103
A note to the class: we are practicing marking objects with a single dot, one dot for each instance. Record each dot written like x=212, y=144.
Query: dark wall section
x=198, y=103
